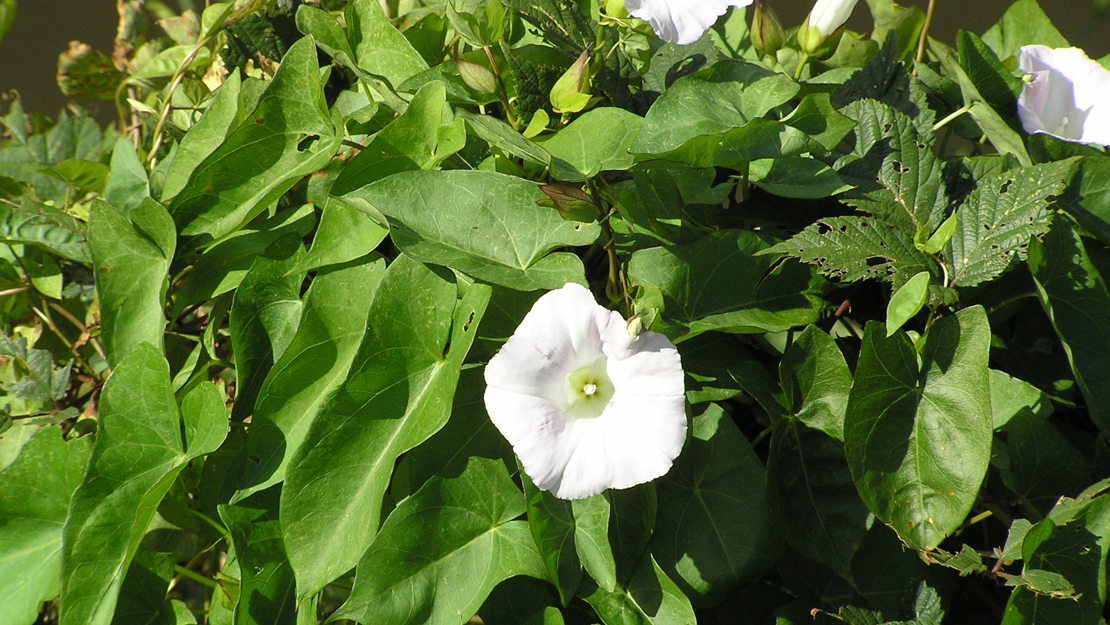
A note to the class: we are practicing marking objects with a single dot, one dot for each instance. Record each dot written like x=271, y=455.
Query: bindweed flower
x=681, y=21
x=585, y=404
x=824, y=18
x=1066, y=95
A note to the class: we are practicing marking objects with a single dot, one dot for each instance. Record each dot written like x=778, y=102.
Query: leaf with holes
x=999, y=217
x=854, y=248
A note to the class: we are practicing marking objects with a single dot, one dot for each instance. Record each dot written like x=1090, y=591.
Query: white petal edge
x=1065, y=96
x=681, y=21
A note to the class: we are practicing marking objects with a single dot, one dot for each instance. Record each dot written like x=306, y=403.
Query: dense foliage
x=245, y=326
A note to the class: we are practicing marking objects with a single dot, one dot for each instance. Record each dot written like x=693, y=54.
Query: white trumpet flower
x=585, y=404
x=1066, y=95
x=680, y=21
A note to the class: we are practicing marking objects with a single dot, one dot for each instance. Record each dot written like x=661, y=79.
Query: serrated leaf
x=890, y=150
x=39, y=381
x=34, y=223
x=714, y=529
x=34, y=498
x=718, y=283
x=443, y=550
x=482, y=223
x=1074, y=295
x=139, y=450
x=1044, y=583
x=917, y=433
x=398, y=393
x=884, y=78
x=561, y=23
x=853, y=248
x=999, y=217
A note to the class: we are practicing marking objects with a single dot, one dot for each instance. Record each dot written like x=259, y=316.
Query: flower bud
x=476, y=76
x=766, y=33
x=823, y=20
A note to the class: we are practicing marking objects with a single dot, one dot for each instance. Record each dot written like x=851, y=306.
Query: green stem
x=196, y=577
x=951, y=116
x=801, y=65
x=925, y=31
x=502, y=94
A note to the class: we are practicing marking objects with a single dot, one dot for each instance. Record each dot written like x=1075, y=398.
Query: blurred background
x=44, y=28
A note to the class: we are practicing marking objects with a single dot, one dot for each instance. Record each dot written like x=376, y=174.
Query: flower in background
x=680, y=21
x=585, y=404
x=824, y=18
x=1066, y=95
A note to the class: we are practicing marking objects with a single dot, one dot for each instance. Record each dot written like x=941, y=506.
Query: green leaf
x=1023, y=24
x=890, y=150
x=714, y=527
x=264, y=317
x=380, y=49
x=223, y=266
x=906, y=302
x=596, y=141
x=485, y=224
x=917, y=436
x=1058, y=555
x=397, y=394
x=204, y=137
x=443, y=550
x=1010, y=396
x=1074, y=295
x=332, y=323
x=1042, y=463
x=501, y=135
x=142, y=443
x=34, y=498
x=552, y=524
x=649, y=598
x=815, y=379
x=127, y=185
x=344, y=234
x=852, y=248
x=288, y=135
x=997, y=85
x=131, y=257
x=1004, y=138
x=708, y=118
x=822, y=517
x=266, y=583
x=410, y=142
x=797, y=177
x=998, y=219
x=39, y=381
x=34, y=223
x=717, y=283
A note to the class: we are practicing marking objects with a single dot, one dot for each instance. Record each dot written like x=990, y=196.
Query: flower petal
x=1065, y=95
x=680, y=21
x=571, y=453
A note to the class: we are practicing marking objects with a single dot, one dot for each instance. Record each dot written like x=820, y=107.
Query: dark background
x=43, y=28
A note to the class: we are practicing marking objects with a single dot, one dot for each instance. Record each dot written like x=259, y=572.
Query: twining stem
x=44, y=314
x=925, y=30
x=614, y=286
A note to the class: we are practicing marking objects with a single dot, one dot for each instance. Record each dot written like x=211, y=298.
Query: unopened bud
x=766, y=33
x=823, y=20
x=476, y=76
